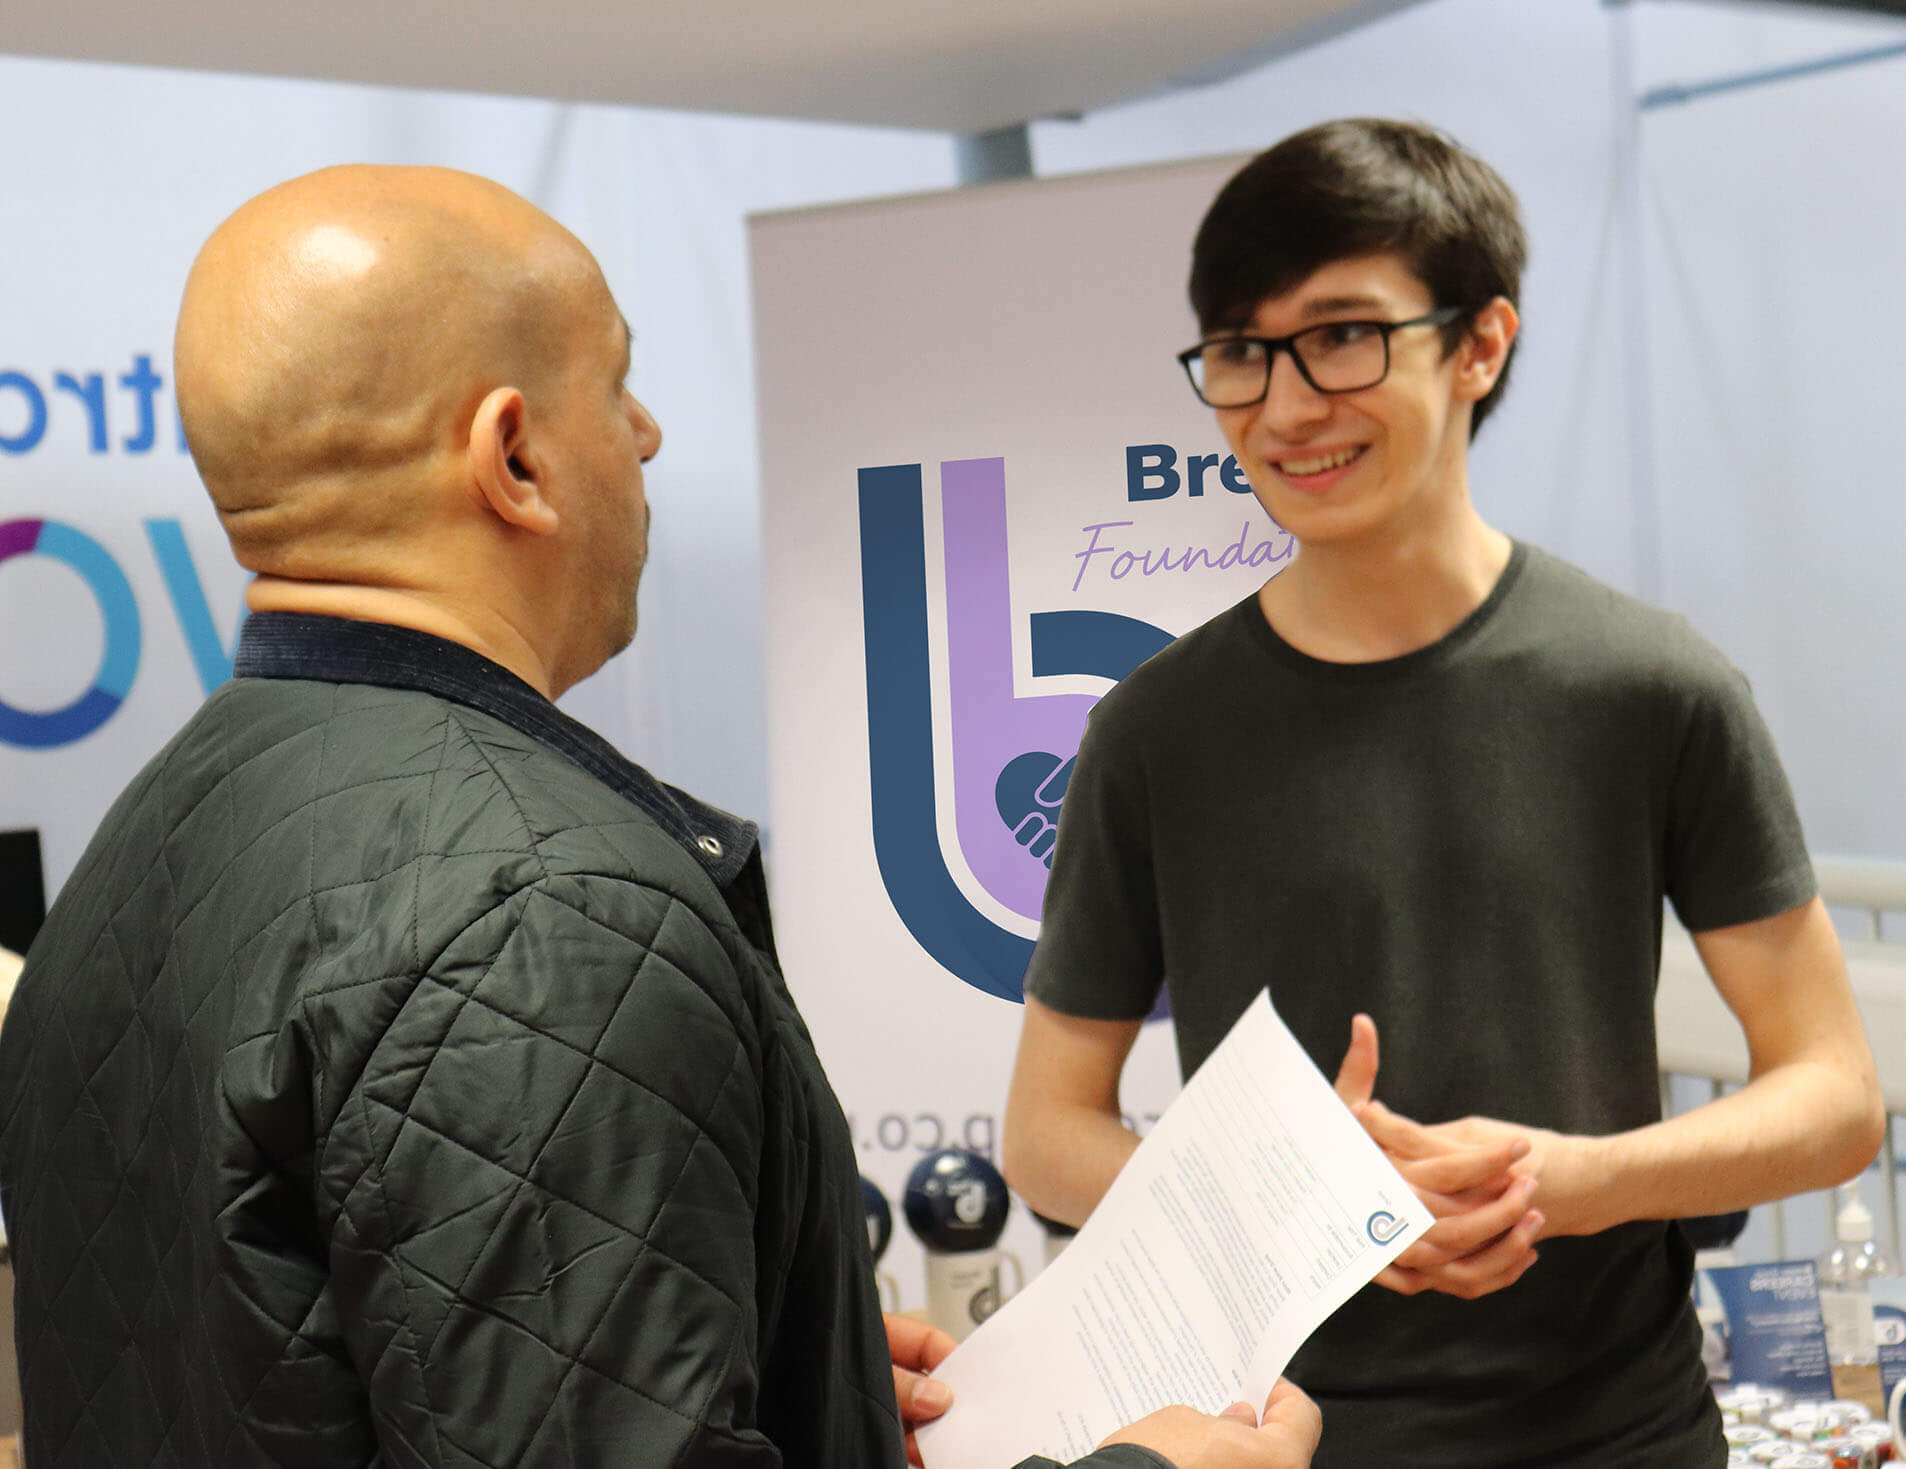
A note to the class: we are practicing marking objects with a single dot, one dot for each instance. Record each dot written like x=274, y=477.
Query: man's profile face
x=1336, y=467
x=604, y=437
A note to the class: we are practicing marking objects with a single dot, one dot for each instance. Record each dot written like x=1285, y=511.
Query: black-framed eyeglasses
x=1336, y=357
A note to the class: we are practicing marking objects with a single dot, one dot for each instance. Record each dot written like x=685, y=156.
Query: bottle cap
x=1854, y=1223
x=956, y=1202
x=879, y=1215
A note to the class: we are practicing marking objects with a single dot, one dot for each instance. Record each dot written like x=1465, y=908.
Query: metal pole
x=988, y=158
x=1889, y=1176
x=1637, y=379
x=1672, y=94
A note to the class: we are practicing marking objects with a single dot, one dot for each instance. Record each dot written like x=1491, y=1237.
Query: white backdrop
x=998, y=361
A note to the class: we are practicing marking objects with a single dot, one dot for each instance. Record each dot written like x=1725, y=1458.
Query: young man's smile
x=1314, y=471
x=1339, y=466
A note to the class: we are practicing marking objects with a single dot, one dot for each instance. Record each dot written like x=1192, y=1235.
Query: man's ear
x=504, y=468
x=1485, y=349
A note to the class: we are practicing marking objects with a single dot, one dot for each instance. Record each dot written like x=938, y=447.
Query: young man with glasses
x=1434, y=782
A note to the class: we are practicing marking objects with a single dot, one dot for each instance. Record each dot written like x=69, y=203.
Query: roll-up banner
x=989, y=493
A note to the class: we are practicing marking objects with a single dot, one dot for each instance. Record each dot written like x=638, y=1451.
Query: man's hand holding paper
x=1284, y=1438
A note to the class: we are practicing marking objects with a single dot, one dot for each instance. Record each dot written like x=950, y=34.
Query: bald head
x=338, y=333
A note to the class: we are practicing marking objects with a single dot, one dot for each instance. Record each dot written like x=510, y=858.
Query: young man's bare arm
x=1810, y=1116
x=1064, y=1138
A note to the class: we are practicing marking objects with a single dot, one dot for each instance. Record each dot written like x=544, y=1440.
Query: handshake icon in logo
x=1028, y=794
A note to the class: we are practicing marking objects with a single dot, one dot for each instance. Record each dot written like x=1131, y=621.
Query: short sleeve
x=1099, y=956
x=1735, y=850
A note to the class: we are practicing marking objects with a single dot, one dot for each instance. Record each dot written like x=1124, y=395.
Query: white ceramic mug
x=1892, y=1417
x=964, y=1289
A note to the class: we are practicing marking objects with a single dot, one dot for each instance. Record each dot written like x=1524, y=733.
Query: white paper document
x=1254, y=1209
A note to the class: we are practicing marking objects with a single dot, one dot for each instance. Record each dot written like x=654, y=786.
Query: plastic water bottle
x=1846, y=1305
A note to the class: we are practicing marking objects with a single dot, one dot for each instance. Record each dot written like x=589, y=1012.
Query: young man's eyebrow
x=1331, y=305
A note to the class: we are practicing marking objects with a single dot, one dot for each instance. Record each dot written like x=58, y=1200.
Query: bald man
x=404, y=1077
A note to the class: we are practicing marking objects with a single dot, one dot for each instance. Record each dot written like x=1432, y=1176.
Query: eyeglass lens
x=1339, y=357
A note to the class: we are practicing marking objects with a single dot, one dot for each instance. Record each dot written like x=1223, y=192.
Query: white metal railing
x=1698, y=1038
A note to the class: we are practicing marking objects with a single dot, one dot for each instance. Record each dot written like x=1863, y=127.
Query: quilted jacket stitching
x=85, y=1407
x=145, y=1225
x=321, y=1145
x=480, y=1308
x=85, y=1255
x=189, y=1401
x=217, y=880
x=416, y=982
x=734, y=1016
x=743, y=1308
x=609, y=1297
x=478, y=744
x=523, y=1179
x=87, y=1077
x=40, y=1038
x=402, y=1270
x=423, y=843
x=311, y=843
x=454, y=714
x=191, y=1017
x=240, y=1414
x=722, y=996
x=469, y=1453
x=286, y=1329
x=635, y=1081
x=735, y=1342
x=578, y=1205
x=466, y=998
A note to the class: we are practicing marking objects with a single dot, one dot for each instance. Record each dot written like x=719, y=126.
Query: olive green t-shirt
x=1471, y=843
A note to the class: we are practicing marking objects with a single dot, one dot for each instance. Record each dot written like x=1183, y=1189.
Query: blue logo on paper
x=1383, y=1226
x=1011, y=755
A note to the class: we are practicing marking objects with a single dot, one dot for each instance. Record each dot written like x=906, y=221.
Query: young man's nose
x=1290, y=401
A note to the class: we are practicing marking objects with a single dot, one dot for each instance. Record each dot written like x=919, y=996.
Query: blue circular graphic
x=1383, y=1226
x=119, y=659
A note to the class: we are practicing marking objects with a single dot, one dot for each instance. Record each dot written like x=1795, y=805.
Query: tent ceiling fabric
x=1877, y=7
x=966, y=68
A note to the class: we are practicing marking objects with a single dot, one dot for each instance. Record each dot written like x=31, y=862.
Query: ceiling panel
x=968, y=67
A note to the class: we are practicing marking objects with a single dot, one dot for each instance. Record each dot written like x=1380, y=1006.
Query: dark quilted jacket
x=386, y=1090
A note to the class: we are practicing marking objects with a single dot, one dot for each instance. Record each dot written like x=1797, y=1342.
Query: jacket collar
x=340, y=650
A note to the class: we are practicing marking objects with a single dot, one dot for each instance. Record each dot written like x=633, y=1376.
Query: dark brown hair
x=1361, y=186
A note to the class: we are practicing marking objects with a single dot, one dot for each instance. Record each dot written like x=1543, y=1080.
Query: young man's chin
x=1315, y=519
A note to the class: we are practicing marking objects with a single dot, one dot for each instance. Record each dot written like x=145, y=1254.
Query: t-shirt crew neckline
x=1383, y=670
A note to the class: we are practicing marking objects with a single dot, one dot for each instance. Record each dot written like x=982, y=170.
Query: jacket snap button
x=709, y=845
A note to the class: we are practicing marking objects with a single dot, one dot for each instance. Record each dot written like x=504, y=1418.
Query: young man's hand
x=1476, y=1177
x=1235, y=1438
x=916, y=1349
